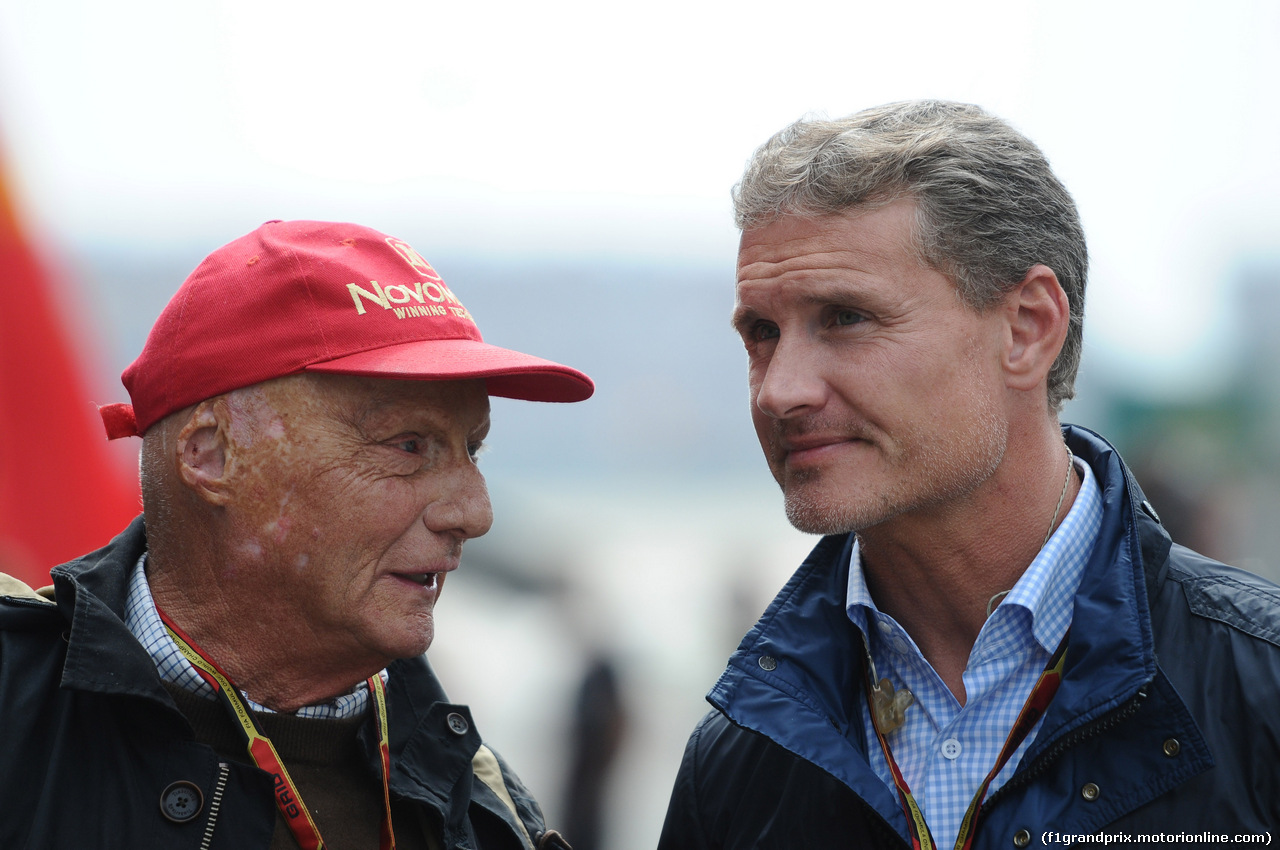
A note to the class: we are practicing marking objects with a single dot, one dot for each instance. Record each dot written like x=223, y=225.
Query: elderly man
x=996, y=644
x=243, y=666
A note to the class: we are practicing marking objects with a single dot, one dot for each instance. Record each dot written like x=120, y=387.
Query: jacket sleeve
x=683, y=828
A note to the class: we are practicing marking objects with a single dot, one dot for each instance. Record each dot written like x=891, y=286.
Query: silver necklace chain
x=1062, y=497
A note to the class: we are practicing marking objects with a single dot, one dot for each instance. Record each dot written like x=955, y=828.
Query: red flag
x=63, y=490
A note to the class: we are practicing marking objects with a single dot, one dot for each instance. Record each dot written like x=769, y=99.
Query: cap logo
x=415, y=260
x=420, y=299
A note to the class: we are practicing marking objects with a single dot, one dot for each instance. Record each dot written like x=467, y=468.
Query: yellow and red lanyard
x=263, y=752
x=1032, y=710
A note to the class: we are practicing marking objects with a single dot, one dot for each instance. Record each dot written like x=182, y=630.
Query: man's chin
x=818, y=516
x=409, y=643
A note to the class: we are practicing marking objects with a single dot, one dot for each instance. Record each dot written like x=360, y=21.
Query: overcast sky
x=584, y=129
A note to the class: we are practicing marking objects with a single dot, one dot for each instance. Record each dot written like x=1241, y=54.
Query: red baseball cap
x=314, y=296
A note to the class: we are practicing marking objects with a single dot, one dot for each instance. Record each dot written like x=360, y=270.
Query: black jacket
x=1167, y=719
x=92, y=740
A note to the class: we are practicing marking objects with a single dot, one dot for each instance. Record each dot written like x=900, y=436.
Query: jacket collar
x=797, y=676
x=103, y=656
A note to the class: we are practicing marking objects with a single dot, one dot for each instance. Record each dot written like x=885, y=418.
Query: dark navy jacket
x=90, y=740
x=1169, y=705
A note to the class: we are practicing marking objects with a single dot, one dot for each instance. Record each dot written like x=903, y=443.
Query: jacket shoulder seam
x=1205, y=598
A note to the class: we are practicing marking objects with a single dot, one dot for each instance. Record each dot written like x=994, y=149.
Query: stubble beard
x=924, y=472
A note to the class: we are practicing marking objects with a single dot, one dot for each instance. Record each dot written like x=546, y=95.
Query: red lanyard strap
x=1032, y=710
x=288, y=800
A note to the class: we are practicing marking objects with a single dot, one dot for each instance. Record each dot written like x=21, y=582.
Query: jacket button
x=1172, y=747
x=457, y=723
x=1090, y=791
x=1021, y=838
x=768, y=662
x=181, y=801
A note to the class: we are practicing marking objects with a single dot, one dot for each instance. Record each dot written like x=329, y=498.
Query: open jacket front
x=1169, y=705
x=91, y=739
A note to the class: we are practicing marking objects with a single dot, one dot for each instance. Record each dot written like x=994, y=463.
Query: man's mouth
x=810, y=446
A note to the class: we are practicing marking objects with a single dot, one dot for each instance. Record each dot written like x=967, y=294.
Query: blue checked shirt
x=945, y=750
x=148, y=628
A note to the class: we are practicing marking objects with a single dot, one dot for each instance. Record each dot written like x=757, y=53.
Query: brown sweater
x=326, y=762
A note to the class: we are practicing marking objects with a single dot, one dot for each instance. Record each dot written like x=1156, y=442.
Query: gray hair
x=988, y=205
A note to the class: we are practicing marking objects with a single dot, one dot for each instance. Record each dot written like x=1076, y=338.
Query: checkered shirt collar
x=144, y=622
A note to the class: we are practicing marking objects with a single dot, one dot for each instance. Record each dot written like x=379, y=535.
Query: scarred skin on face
x=255, y=421
x=338, y=508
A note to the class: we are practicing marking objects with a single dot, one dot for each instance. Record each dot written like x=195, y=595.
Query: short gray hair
x=988, y=205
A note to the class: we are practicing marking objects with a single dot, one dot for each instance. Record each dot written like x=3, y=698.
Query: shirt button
x=457, y=723
x=951, y=748
x=181, y=801
x=884, y=626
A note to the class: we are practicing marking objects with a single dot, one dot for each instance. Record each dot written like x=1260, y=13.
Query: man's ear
x=204, y=453
x=1038, y=314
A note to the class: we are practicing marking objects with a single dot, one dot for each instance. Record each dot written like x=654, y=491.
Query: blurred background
x=566, y=167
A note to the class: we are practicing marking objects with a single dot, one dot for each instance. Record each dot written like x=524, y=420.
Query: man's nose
x=790, y=382
x=463, y=508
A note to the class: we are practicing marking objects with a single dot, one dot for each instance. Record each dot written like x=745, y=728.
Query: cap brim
x=507, y=373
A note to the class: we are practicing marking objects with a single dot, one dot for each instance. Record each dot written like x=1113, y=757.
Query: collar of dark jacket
x=102, y=654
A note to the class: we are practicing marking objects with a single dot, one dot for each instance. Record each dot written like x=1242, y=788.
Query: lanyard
x=1032, y=710
x=296, y=815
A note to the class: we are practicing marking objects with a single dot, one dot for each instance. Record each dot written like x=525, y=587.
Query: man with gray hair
x=996, y=643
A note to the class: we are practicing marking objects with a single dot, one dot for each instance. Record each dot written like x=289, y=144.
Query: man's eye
x=475, y=450
x=764, y=331
x=848, y=317
x=412, y=445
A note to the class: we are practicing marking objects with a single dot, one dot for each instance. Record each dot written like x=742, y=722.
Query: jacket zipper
x=1097, y=727
x=215, y=803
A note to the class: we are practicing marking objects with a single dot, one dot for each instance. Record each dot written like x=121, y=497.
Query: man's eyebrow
x=742, y=317
x=816, y=293
x=372, y=410
x=361, y=411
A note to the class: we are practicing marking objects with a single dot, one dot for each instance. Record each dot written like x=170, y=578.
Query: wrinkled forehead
x=852, y=238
